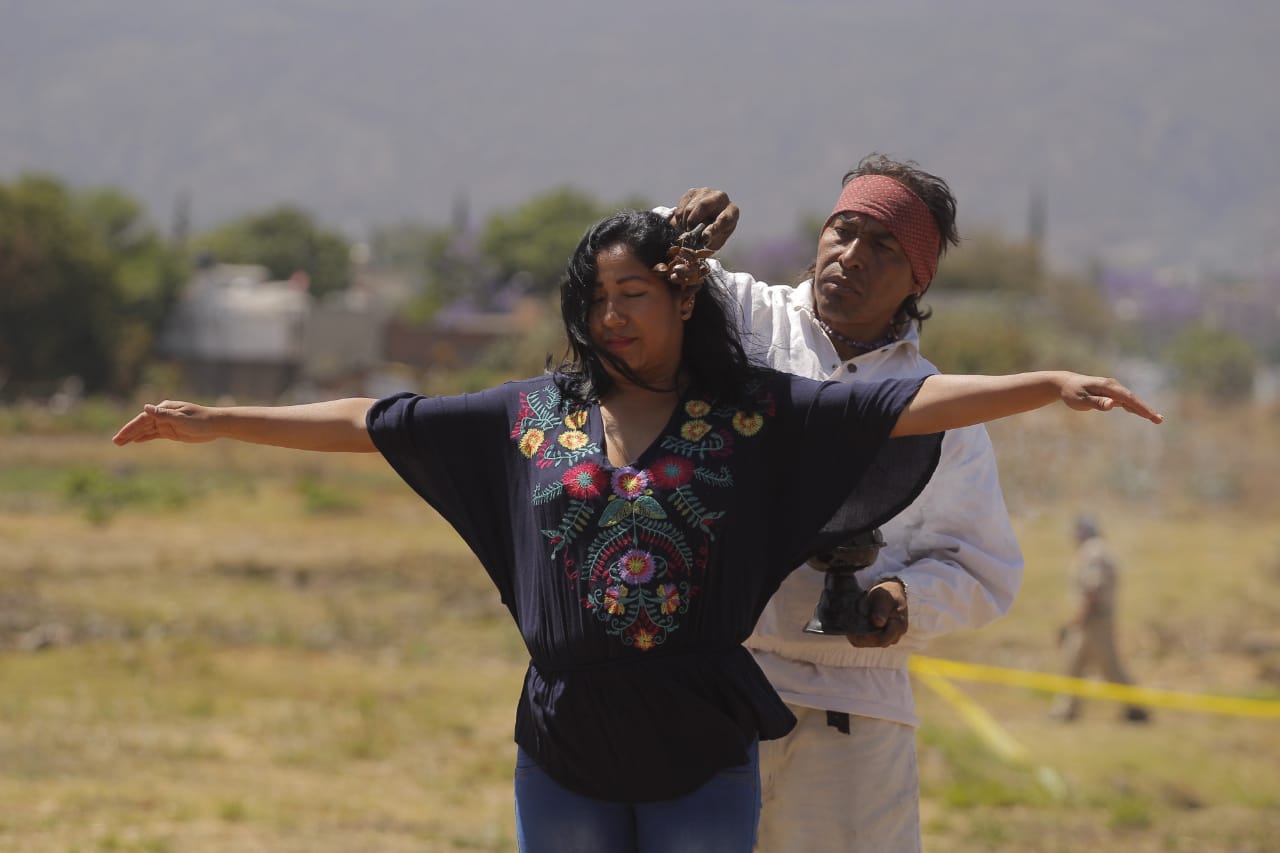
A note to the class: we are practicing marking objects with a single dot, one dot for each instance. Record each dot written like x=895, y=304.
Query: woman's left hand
x=1083, y=393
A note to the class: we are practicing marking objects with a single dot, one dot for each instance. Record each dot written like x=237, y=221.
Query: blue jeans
x=719, y=817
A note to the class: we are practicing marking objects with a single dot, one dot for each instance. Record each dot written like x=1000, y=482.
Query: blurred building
x=343, y=344
x=236, y=333
x=461, y=333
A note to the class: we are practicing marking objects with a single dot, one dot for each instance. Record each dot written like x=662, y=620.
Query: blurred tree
x=988, y=261
x=997, y=310
x=1079, y=308
x=85, y=282
x=149, y=274
x=1215, y=363
x=979, y=336
x=286, y=241
x=444, y=265
x=400, y=246
x=538, y=237
x=57, y=291
x=450, y=265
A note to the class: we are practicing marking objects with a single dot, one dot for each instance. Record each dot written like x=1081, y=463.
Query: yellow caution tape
x=934, y=669
x=985, y=726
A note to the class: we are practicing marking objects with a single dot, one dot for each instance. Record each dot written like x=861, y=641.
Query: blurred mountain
x=1150, y=126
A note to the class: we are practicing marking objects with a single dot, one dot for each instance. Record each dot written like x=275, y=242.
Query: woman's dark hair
x=712, y=359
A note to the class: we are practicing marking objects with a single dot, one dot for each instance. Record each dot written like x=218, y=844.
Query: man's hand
x=703, y=204
x=886, y=608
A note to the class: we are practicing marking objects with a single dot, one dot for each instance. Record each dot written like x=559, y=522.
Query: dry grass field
x=228, y=648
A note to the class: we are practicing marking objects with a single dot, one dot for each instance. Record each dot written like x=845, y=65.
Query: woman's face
x=638, y=317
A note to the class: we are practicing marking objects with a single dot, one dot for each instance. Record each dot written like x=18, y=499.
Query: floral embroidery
x=542, y=411
x=636, y=566
x=694, y=430
x=747, y=424
x=636, y=540
x=530, y=442
x=573, y=439
x=629, y=483
x=613, y=597
x=697, y=408
x=671, y=472
x=645, y=640
x=585, y=481
x=668, y=598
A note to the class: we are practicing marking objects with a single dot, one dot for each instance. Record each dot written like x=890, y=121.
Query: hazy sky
x=1149, y=124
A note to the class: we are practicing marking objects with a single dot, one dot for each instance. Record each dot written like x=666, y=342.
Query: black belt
x=839, y=721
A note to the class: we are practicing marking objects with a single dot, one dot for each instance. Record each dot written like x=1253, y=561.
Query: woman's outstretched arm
x=336, y=425
x=949, y=402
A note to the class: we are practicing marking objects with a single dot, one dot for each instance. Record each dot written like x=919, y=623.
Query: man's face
x=861, y=275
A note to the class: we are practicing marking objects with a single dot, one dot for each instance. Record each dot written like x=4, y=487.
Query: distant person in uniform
x=1089, y=639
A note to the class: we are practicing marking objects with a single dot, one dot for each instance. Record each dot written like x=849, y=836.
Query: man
x=846, y=777
x=1089, y=639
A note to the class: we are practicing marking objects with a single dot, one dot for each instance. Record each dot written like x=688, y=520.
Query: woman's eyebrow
x=630, y=277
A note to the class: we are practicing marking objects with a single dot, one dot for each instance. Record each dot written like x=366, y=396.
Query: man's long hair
x=936, y=195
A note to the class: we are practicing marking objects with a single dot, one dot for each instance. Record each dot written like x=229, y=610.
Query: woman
x=636, y=509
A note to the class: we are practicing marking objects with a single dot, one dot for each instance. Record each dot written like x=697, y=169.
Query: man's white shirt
x=953, y=547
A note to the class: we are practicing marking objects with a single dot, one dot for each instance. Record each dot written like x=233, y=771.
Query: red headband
x=903, y=213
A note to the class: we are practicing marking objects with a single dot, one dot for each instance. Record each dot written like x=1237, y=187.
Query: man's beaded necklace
x=850, y=342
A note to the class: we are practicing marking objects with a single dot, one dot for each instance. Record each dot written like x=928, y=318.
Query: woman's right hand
x=173, y=420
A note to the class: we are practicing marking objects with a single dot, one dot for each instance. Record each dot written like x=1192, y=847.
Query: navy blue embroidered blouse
x=634, y=587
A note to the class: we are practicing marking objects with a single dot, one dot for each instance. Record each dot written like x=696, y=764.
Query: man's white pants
x=824, y=790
